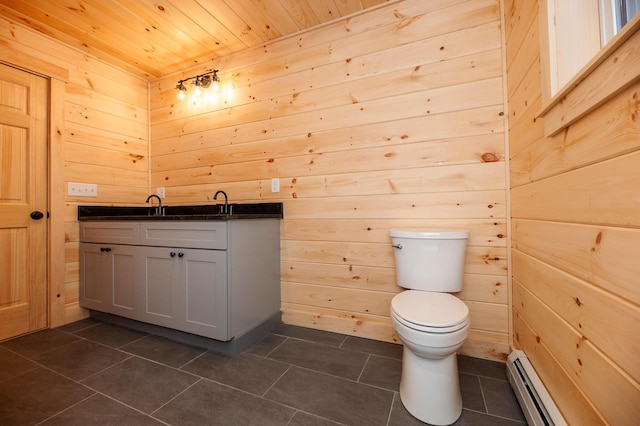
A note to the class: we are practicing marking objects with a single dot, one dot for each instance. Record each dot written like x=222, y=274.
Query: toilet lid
x=432, y=310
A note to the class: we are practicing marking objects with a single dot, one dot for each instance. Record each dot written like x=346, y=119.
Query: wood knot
x=489, y=157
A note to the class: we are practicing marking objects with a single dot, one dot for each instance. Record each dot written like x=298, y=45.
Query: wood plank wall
x=390, y=119
x=105, y=134
x=575, y=239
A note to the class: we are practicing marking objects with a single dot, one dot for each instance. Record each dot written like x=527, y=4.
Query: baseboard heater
x=537, y=406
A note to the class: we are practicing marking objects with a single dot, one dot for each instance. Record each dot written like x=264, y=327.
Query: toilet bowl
x=431, y=323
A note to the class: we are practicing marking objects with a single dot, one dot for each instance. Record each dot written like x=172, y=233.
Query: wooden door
x=23, y=193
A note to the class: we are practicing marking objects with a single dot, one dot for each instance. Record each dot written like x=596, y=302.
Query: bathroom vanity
x=206, y=271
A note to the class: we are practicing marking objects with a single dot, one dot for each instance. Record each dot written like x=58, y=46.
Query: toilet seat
x=430, y=312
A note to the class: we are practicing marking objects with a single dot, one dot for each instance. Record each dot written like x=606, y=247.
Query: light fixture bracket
x=202, y=80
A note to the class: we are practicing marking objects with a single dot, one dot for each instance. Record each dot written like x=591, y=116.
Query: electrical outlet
x=160, y=191
x=76, y=189
x=275, y=185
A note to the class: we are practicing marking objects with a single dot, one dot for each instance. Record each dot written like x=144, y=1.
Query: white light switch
x=275, y=185
x=160, y=191
x=76, y=189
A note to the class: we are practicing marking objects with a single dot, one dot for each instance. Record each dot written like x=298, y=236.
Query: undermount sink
x=197, y=212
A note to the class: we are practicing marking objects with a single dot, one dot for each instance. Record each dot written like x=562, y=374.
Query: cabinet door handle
x=172, y=254
x=105, y=249
x=180, y=254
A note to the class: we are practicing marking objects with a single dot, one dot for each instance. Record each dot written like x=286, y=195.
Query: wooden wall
x=104, y=132
x=576, y=243
x=390, y=119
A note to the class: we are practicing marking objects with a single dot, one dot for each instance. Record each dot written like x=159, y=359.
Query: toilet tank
x=430, y=261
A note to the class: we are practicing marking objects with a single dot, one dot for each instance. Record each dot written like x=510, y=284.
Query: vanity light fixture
x=202, y=81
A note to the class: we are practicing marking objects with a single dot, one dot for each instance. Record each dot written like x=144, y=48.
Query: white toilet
x=431, y=323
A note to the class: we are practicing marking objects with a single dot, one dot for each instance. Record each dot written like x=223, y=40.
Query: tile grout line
x=151, y=414
x=276, y=381
x=364, y=366
x=393, y=403
x=66, y=409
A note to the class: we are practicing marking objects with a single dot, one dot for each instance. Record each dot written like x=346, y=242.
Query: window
x=615, y=14
x=606, y=71
x=575, y=31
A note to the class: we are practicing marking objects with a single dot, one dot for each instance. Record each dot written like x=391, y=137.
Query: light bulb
x=182, y=91
x=198, y=90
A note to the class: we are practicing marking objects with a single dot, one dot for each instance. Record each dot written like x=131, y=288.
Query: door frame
x=56, y=261
x=58, y=312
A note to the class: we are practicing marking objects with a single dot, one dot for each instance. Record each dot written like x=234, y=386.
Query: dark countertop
x=200, y=212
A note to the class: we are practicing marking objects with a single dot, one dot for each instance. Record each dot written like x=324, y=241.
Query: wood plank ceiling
x=153, y=38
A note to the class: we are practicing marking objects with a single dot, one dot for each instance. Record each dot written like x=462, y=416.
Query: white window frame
x=612, y=18
x=614, y=68
x=573, y=32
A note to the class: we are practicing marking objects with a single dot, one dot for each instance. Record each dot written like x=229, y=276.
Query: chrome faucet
x=159, y=208
x=226, y=201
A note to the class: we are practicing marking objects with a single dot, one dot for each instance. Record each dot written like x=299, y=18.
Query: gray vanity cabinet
x=218, y=279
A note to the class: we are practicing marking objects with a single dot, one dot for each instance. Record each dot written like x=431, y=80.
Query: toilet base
x=430, y=388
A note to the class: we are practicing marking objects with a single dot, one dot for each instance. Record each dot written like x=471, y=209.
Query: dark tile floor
x=100, y=374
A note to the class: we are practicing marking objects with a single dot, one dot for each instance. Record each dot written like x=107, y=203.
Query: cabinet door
x=93, y=279
x=206, y=293
x=185, y=289
x=122, y=263
x=161, y=286
x=108, y=277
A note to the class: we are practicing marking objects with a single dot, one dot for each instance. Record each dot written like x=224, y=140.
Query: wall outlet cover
x=75, y=189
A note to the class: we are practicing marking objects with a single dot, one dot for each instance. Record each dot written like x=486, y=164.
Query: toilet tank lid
x=436, y=235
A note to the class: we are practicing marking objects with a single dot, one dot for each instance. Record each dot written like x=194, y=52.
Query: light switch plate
x=275, y=185
x=160, y=191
